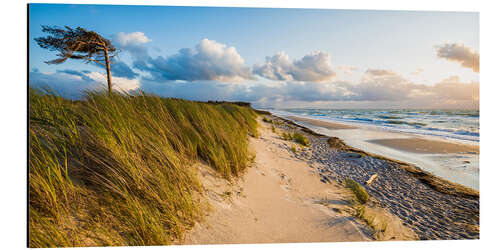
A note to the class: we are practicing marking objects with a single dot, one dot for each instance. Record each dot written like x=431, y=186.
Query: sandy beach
x=452, y=160
x=425, y=146
x=324, y=124
x=299, y=196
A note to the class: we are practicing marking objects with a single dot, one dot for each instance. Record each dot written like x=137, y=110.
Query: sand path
x=277, y=200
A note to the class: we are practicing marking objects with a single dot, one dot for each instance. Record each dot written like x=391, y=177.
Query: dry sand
x=425, y=146
x=324, y=124
x=280, y=199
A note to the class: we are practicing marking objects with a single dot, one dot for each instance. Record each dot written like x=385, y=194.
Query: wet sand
x=425, y=146
x=453, y=161
x=324, y=124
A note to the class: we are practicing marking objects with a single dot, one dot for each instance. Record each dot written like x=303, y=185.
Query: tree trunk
x=108, y=70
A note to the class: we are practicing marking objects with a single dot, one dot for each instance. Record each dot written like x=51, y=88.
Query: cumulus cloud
x=376, y=73
x=121, y=69
x=72, y=84
x=209, y=60
x=132, y=42
x=453, y=89
x=376, y=89
x=346, y=69
x=459, y=53
x=379, y=92
x=314, y=67
x=130, y=39
x=417, y=72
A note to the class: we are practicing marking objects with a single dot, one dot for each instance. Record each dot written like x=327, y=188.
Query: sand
x=279, y=199
x=288, y=196
x=425, y=146
x=324, y=124
x=452, y=160
x=432, y=207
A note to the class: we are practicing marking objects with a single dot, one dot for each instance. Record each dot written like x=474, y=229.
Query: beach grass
x=296, y=137
x=117, y=169
x=359, y=191
x=300, y=139
x=265, y=119
x=286, y=136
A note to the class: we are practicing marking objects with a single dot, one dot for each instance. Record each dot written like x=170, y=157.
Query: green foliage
x=116, y=169
x=300, y=139
x=358, y=190
x=294, y=149
x=286, y=136
x=265, y=119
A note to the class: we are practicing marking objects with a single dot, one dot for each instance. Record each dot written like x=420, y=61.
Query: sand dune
x=280, y=199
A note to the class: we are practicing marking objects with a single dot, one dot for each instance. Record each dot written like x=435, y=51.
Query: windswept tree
x=80, y=44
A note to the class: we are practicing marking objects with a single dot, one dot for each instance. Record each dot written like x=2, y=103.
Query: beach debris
x=372, y=179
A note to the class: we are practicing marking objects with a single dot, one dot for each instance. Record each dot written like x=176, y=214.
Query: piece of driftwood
x=372, y=178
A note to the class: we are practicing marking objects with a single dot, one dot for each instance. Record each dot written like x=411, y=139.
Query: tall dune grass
x=116, y=170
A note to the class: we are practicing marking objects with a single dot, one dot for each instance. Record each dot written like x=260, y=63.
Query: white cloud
x=392, y=91
x=314, y=67
x=346, y=69
x=379, y=73
x=209, y=60
x=417, y=72
x=73, y=84
x=131, y=39
x=132, y=42
x=459, y=53
x=118, y=83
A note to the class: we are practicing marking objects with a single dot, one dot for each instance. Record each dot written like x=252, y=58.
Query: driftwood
x=372, y=179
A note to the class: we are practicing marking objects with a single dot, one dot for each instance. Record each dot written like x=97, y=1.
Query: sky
x=273, y=58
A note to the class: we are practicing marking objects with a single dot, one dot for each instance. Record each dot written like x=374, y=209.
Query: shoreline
x=433, y=207
x=451, y=161
x=305, y=189
x=434, y=181
x=279, y=189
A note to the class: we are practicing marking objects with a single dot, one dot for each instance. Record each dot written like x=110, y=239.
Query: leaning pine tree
x=80, y=44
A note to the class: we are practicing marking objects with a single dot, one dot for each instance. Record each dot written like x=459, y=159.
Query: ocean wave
x=455, y=124
x=389, y=117
x=420, y=124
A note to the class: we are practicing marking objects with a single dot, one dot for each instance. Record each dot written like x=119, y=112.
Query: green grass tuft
x=116, y=170
x=300, y=139
x=265, y=119
x=358, y=190
x=286, y=136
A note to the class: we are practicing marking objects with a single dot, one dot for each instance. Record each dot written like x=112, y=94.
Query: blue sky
x=322, y=58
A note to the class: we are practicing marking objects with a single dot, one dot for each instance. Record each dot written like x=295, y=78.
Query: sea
x=461, y=125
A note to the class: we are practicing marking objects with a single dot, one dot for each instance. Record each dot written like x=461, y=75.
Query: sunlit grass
x=359, y=191
x=115, y=170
